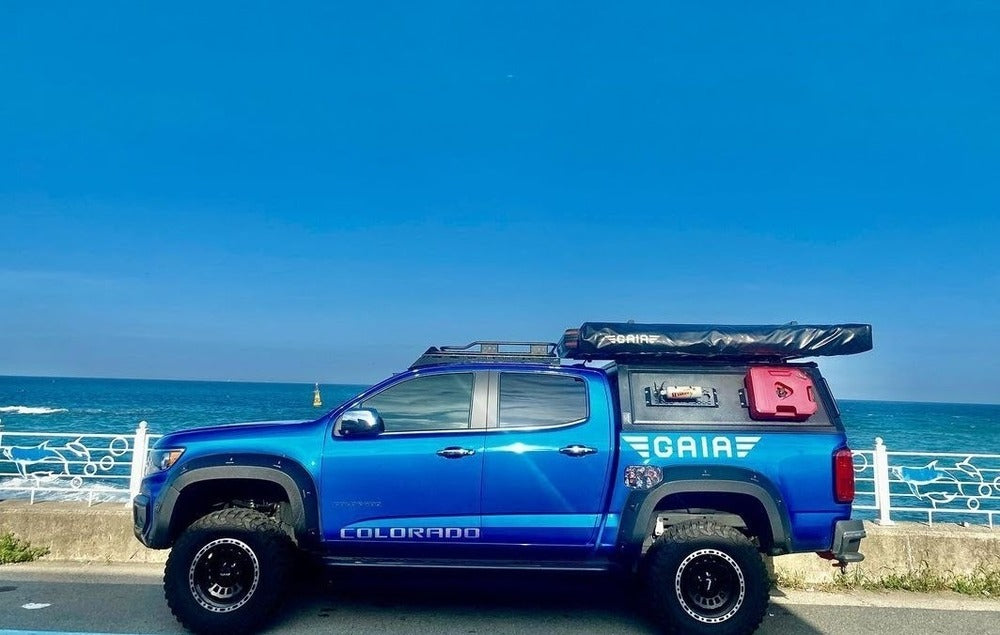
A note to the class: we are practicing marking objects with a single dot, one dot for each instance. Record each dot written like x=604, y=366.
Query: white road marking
x=9, y=632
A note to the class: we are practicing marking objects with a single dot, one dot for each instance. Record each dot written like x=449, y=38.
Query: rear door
x=547, y=460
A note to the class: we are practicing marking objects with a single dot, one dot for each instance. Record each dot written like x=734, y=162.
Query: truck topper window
x=421, y=404
x=541, y=400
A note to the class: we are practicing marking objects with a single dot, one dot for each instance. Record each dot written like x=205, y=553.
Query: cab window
x=540, y=400
x=422, y=404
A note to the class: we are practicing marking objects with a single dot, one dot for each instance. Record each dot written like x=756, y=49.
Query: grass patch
x=13, y=549
x=782, y=580
x=982, y=582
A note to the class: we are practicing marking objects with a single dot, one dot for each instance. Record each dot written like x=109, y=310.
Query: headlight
x=160, y=460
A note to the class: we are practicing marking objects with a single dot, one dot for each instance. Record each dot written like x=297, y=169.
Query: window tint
x=435, y=402
x=541, y=400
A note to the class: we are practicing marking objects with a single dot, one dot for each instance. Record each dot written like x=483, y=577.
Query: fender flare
x=282, y=471
x=638, y=515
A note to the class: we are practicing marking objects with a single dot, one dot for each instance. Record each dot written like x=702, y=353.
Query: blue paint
x=517, y=490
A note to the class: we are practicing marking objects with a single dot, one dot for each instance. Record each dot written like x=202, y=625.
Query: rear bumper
x=847, y=537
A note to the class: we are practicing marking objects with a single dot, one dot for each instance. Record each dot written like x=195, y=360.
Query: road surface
x=129, y=599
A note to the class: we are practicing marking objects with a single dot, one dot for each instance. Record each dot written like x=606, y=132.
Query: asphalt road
x=128, y=599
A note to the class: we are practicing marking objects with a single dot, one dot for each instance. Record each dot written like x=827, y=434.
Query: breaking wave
x=30, y=410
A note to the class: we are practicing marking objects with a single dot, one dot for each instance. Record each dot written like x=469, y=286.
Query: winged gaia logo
x=639, y=443
x=667, y=446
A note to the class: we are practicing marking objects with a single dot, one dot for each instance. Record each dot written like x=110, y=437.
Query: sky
x=319, y=191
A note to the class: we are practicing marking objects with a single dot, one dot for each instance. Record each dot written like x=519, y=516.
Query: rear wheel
x=706, y=578
x=228, y=571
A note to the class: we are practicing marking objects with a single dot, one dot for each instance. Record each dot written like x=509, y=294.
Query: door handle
x=577, y=450
x=455, y=452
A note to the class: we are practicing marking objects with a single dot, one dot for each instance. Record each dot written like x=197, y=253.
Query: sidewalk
x=944, y=601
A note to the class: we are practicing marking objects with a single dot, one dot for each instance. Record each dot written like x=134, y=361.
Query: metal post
x=140, y=445
x=881, y=469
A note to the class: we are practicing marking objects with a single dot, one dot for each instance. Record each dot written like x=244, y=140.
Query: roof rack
x=490, y=353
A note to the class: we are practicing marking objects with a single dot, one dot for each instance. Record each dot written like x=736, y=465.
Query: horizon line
x=365, y=385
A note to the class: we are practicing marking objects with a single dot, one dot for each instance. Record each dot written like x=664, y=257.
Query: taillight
x=843, y=476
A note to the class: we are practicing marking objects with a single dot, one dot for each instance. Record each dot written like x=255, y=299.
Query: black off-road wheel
x=706, y=578
x=228, y=571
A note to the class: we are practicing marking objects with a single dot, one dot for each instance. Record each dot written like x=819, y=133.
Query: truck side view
x=681, y=454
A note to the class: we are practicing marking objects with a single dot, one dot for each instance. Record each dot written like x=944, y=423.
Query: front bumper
x=148, y=522
x=847, y=537
x=140, y=516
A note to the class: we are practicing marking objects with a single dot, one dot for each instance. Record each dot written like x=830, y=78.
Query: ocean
x=115, y=406
x=71, y=466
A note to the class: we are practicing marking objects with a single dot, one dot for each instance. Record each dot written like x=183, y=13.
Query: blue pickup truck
x=681, y=454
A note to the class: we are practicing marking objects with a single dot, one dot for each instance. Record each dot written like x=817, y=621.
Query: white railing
x=73, y=466
x=924, y=486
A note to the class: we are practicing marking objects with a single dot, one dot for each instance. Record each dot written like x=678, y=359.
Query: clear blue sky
x=261, y=191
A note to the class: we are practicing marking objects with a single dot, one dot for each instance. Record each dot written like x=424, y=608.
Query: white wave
x=31, y=410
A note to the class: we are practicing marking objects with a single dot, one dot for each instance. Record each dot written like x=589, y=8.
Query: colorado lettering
x=409, y=533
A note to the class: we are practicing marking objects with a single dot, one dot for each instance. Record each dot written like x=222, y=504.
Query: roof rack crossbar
x=490, y=352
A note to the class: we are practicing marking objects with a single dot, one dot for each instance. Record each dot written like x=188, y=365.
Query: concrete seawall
x=906, y=548
x=103, y=533
x=73, y=531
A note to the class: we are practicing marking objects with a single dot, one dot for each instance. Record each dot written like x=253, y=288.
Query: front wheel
x=706, y=578
x=227, y=572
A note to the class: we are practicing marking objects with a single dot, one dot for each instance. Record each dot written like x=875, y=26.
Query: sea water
x=115, y=406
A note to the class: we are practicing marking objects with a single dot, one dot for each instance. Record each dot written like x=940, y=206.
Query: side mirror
x=361, y=422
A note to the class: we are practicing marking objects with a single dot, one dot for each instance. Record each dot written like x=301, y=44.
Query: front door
x=419, y=481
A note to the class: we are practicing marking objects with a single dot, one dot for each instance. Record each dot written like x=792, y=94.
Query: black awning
x=617, y=340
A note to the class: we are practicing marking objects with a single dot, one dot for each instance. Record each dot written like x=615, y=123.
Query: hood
x=225, y=431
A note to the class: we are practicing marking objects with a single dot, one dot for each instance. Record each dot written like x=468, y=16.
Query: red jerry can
x=780, y=393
